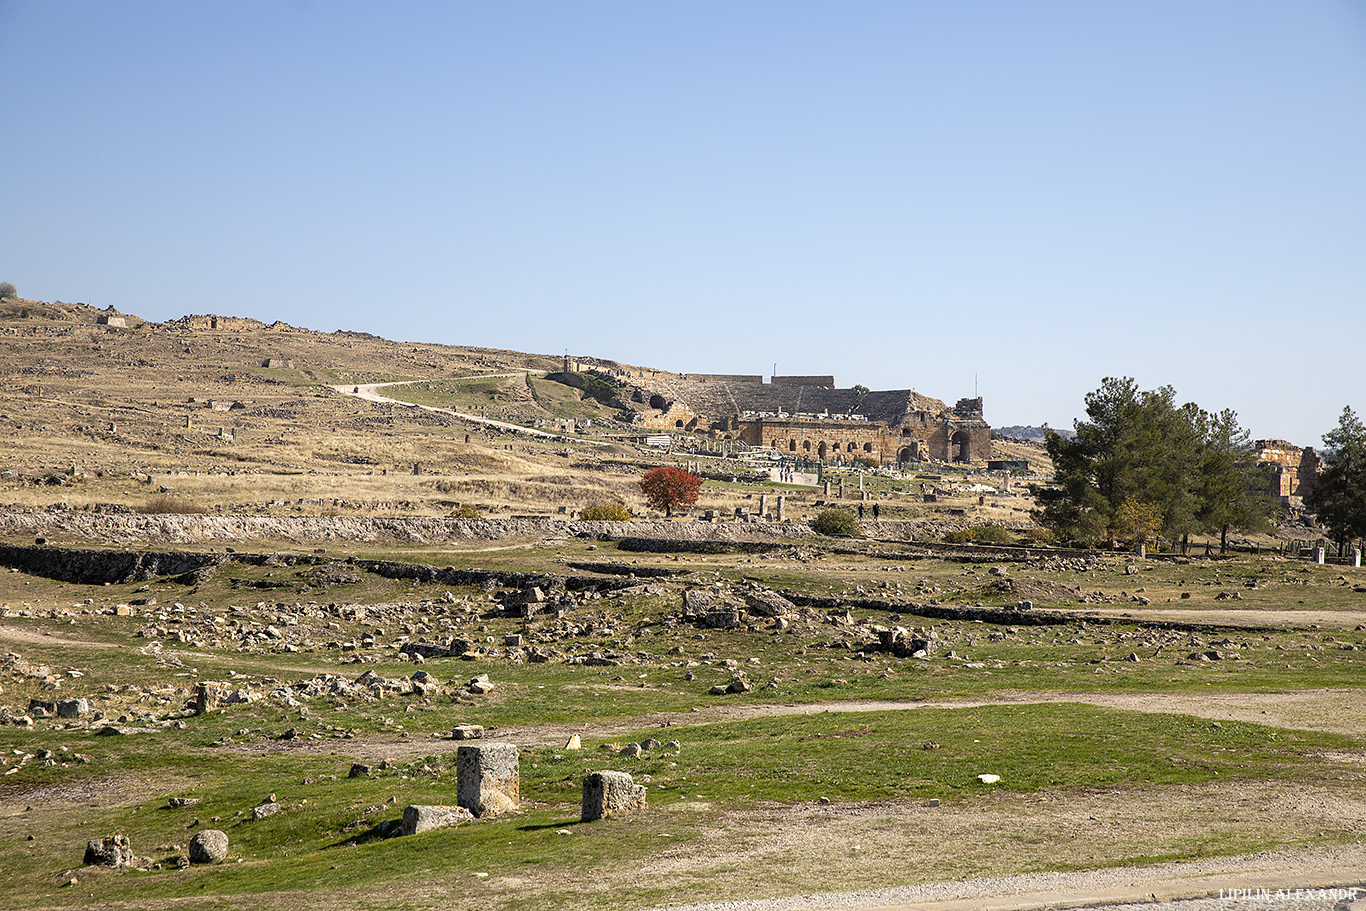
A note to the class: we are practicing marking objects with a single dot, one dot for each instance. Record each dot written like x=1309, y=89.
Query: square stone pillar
x=610, y=794
x=488, y=778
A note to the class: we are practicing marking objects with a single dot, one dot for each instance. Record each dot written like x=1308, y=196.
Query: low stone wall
x=207, y=529
x=92, y=567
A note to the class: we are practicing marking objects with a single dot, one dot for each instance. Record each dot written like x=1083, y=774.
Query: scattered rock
x=113, y=851
x=266, y=809
x=209, y=847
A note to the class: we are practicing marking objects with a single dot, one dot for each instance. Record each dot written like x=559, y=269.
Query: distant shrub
x=992, y=534
x=466, y=511
x=1039, y=536
x=605, y=512
x=7, y=290
x=836, y=522
x=163, y=506
x=866, y=462
x=980, y=534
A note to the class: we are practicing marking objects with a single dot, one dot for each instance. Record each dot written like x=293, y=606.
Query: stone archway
x=960, y=446
x=657, y=401
x=821, y=450
x=904, y=455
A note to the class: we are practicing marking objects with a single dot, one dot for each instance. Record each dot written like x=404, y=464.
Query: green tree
x=7, y=290
x=1340, y=491
x=1136, y=445
x=1233, y=491
x=1190, y=470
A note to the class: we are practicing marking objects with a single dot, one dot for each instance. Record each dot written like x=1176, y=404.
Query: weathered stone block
x=72, y=708
x=424, y=818
x=610, y=794
x=467, y=732
x=207, y=698
x=484, y=774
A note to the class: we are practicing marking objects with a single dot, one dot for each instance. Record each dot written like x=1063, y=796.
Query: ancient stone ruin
x=808, y=416
x=1291, y=470
x=424, y=818
x=488, y=778
x=607, y=793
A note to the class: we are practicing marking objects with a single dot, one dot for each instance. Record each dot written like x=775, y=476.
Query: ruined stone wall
x=215, y=529
x=725, y=378
x=825, y=381
x=1291, y=471
x=820, y=439
x=213, y=321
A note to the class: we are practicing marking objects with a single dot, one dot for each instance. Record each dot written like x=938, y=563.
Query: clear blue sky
x=1026, y=195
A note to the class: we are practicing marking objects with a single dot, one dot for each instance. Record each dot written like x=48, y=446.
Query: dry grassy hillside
x=174, y=412
x=232, y=414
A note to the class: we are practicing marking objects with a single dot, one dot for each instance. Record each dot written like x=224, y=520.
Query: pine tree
x=1340, y=491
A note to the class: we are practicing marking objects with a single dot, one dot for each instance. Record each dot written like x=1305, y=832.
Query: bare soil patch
x=20, y=634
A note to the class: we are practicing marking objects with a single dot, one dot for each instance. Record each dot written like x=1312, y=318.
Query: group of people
x=877, y=511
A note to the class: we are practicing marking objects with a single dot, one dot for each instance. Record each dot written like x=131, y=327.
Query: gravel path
x=1264, y=882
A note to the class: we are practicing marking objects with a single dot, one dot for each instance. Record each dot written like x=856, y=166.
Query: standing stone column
x=488, y=778
x=610, y=794
x=763, y=505
x=1142, y=551
x=1319, y=555
x=780, y=507
x=1356, y=557
x=827, y=490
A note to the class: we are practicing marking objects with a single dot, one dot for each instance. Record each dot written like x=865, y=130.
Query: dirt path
x=369, y=392
x=19, y=634
x=1351, y=616
x=1342, y=869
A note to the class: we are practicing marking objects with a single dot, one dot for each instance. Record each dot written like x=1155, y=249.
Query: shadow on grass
x=550, y=825
x=378, y=831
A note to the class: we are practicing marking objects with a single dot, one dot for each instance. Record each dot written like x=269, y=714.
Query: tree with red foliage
x=669, y=488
